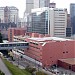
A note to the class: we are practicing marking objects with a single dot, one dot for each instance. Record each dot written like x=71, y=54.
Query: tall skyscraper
x=44, y=3
x=52, y=5
x=32, y=4
x=72, y=15
x=29, y=5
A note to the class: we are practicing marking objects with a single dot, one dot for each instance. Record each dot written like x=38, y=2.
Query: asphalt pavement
x=3, y=68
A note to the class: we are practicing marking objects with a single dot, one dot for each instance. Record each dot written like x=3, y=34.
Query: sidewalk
x=3, y=68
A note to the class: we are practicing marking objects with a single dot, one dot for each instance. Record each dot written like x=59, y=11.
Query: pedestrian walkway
x=3, y=68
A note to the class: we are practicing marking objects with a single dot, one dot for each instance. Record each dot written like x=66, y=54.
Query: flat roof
x=68, y=61
x=49, y=38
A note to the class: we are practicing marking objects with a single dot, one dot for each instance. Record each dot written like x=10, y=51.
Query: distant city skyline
x=20, y=4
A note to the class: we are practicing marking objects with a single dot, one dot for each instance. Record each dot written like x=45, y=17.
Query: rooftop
x=49, y=39
x=68, y=61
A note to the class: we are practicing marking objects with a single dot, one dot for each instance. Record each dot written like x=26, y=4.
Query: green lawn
x=15, y=70
x=40, y=73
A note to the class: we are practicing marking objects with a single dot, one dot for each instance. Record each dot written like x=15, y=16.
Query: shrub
x=30, y=69
x=1, y=73
x=40, y=73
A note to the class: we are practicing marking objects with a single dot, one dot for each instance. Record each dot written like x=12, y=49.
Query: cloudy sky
x=20, y=4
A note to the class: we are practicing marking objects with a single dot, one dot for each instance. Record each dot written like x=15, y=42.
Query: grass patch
x=40, y=73
x=15, y=70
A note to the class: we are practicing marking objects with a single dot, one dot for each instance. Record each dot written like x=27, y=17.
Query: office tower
x=29, y=5
x=58, y=22
x=8, y=14
x=32, y=4
x=72, y=15
x=51, y=21
x=52, y=5
x=44, y=3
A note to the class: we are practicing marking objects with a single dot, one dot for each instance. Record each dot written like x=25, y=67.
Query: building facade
x=51, y=21
x=44, y=3
x=52, y=5
x=9, y=14
x=58, y=21
x=32, y=4
x=15, y=32
x=48, y=50
x=72, y=16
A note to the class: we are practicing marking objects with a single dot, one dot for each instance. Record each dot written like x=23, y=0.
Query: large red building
x=48, y=50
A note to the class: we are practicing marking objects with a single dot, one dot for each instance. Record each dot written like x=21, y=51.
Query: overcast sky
x=20, y=4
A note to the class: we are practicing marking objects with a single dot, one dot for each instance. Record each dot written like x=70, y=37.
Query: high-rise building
x=52, y=5
x=31, y=4
x=51, y=21
x=9, y=14
x=58, y=22
x=72, y=15
x=44, y=3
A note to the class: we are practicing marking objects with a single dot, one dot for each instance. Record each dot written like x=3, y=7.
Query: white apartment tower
x=58, y=22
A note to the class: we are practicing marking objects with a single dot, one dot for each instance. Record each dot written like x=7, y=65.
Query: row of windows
x=58, y=10
x=65, y=52
x=59, y=22
x=59, y=34
x=59, y=27
x=33, y=43
x=35, y=47
x=11, y=45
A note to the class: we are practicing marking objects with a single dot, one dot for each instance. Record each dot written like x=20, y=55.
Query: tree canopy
x=1, y=40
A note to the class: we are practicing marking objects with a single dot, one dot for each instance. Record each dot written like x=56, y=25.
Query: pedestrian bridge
x=12, y=45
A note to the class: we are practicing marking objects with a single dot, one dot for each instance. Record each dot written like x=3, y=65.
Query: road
x=3, y=68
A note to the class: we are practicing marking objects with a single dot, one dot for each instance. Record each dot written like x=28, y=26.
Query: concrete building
x=72, y=15
x=51, y=21
x=29, y=5
x=21, y=23
x=52, y=5
x=9, y=14
x=58, y=19
x=44, y=3
x=32, y=4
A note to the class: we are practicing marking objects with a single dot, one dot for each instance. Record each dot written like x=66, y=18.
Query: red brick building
x=48, y=50
x=15, y=32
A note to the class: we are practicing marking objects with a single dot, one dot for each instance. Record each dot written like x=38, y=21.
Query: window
x=66, y=51
x=63, y=52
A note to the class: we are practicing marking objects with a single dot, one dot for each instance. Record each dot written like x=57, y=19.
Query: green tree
x=1, y=40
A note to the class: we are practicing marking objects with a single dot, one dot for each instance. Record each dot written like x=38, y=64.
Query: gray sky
x=63, y=3
x=20, y=4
